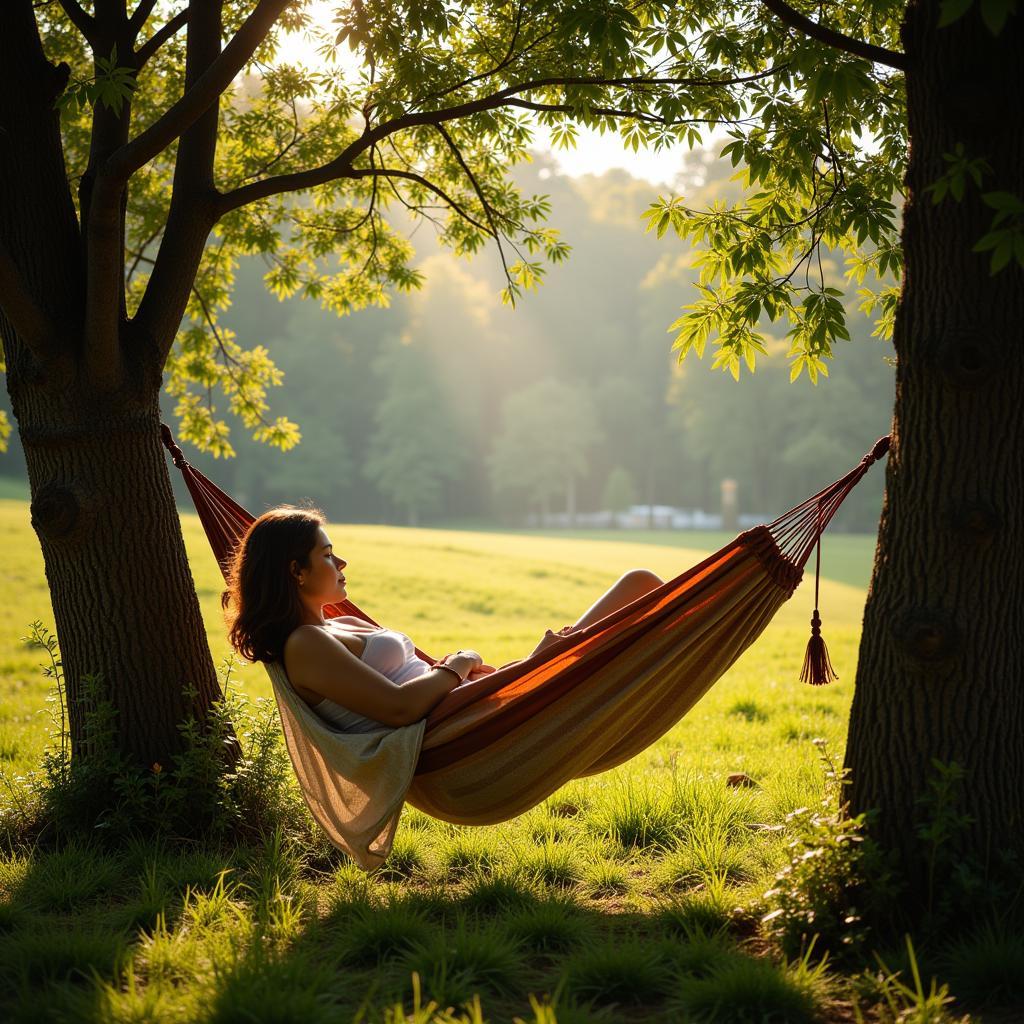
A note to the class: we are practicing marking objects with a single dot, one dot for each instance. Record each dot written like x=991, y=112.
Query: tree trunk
x=941, y=659
x=123, y=599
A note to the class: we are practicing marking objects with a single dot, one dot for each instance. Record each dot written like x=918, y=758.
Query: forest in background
x=448, y=407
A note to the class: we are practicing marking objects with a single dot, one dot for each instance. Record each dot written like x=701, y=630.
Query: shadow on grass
x=154, y=933
x=161, y=934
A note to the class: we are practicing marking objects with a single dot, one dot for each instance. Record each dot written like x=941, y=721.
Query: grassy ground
x=632, y=896
x=846, y=558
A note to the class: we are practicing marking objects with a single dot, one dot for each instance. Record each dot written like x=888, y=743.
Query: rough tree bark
x=942, y=652
x=86, y=405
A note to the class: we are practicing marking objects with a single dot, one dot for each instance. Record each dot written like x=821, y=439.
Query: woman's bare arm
x=321, y=663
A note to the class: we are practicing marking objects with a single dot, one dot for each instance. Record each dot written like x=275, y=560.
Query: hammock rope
x=499, y=744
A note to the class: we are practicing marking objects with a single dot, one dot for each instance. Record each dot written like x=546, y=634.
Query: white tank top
x=392, y=654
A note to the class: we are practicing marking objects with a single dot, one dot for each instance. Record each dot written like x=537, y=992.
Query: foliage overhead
x=821, y=155
x=418, y=110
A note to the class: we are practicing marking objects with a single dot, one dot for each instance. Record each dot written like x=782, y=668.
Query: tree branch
x=200, y=95
x=158, y=38
x=488, y=210
x=138, y=20
x=140, y=256
x=510, y=56
x=838, y=41
x=638, y=115
x=341, y=165
x=386, y=172
x=228, y=358
x=297, y=134
x=188, y=221
x=103, y=205
x=104, y=284
x=85, y=23
x=30, y=323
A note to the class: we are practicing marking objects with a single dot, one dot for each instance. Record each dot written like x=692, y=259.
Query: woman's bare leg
x=625, y=590
x=628, y=588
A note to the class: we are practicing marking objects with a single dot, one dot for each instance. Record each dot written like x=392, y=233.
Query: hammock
x=500, y=744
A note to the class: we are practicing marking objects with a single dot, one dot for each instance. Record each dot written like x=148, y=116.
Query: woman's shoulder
x=305, y=653
x=309, y=637
x=310, y=641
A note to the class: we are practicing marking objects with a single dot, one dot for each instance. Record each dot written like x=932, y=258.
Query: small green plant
x=498, y=892
x=467, y=853
x=70, y=879
x=951, y=880
x=378, y=934
x=696, y=953
x=457, y=961
x=96, y=792
x=552, y=926
x=603, y=878
x=742, y=990
x=553, y=864
x=431, y=1011
x=407, y=858
x=636, y=816
x=986, y=966
x=832, y=869
x=911, y=1004
x=749, y=711
x=623, y=971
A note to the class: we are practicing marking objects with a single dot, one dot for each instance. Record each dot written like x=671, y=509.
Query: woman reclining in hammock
x=352, y=673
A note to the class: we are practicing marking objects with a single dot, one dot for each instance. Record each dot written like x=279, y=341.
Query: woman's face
x=323, y=580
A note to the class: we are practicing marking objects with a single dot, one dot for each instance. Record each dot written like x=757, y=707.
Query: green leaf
x=952, y=10
x=1001, y=255
x=995, y=12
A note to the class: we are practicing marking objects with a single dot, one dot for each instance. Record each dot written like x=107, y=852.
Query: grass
x=744, y=990
x=620, y=970
x=632, y=895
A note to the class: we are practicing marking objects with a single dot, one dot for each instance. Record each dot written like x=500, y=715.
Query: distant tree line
x=448, y=407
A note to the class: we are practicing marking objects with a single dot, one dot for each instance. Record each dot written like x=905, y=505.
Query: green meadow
x=632, y=896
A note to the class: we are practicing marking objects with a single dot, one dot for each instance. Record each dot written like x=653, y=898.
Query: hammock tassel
x=817, y=668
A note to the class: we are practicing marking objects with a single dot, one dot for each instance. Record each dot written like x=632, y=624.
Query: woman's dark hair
x=262, y=602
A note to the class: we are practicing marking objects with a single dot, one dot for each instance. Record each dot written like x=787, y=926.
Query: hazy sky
x=594, y=153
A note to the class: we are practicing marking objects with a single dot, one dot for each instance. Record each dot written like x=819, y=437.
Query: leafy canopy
x=821, y=157
x=417, y=112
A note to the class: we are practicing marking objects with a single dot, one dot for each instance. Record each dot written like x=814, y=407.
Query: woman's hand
x=481, y=670
x=465, y=662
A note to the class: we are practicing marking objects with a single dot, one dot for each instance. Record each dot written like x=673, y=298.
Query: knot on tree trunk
x=975, y=522
x=967, y=358
x=927, y=635
x=56, y=511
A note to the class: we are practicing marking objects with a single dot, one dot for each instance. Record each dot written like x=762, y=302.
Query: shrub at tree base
x=102, y=795
x=835, y=878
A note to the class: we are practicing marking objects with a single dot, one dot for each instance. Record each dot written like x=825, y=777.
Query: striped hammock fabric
x=500, y=744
